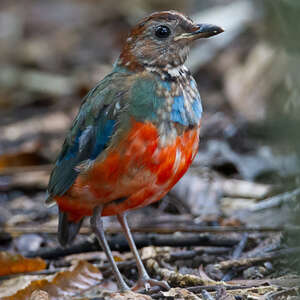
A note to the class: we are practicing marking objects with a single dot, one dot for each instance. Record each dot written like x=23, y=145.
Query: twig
x=247, y=262
x=282, y=294
x=119, y=243
x=276, y=200
x=156, y=228
x=176, y=278
x=236, y=254
x=240, y=247
x=206, y=295
x=213, y=288
x=189, y=254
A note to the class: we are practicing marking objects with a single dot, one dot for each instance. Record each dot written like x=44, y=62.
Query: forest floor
x=225, y=231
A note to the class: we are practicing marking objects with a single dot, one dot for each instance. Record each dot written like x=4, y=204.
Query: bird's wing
x=90, y=133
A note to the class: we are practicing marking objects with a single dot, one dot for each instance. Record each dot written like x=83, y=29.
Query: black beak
x=200, y=31
x=206, y=30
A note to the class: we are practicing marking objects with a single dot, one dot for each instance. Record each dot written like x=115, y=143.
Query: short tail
x=67, y=230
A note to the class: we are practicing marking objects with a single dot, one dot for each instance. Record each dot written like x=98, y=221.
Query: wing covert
x=90, y=133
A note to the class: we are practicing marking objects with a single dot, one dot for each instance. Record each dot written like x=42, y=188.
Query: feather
x=90, y=133
x=67, y=230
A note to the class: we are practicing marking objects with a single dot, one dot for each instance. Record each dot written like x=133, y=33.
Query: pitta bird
x=135, y=135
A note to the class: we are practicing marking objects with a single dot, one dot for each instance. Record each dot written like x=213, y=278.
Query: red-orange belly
x=133, y=173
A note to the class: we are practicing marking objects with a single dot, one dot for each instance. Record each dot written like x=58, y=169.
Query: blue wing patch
x=178, y=113
x=88, y=144
x=197, y=108
x=102, y=138
x=90, y=134
x=185, y=111
x=98, y=138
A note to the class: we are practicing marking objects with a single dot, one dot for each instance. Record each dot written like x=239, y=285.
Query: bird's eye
x=162, y=31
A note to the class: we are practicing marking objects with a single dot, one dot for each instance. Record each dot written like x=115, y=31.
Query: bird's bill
x=201, y=31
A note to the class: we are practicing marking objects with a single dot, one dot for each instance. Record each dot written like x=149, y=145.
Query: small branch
x=276, y=200
x=119, y=243
x=176, y=278
x=206, y=295
x=214, y=288
x=285, y=294
x=240, y=247
x=247, y=262
x=236, y=254
x=190, y=254
x=156, y=228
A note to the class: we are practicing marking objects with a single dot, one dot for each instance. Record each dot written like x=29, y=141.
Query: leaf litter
x=61, y=50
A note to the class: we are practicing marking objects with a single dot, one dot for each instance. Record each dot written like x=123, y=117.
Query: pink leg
x=97, y=227
x=144, y=280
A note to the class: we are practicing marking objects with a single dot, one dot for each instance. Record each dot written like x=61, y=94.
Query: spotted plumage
x=136, y=132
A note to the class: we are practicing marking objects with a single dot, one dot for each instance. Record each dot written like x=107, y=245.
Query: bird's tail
x=67, y=230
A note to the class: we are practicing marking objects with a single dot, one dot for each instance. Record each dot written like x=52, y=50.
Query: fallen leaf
x=78, y=278
x=16, y=263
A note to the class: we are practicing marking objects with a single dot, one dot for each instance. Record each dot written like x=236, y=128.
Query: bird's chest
x=136, y=171
x=161, y=142
x=144, y=161
x=180, y=106
x=139, y=161
x=167, y=98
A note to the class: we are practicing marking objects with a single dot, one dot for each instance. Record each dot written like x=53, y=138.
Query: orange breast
x=135, y=172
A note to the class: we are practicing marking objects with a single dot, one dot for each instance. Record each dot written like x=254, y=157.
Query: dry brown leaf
x=79, y=278
x=16, y=263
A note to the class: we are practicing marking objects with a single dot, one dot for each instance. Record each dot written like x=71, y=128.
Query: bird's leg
x=144, y=280
x=97, y=226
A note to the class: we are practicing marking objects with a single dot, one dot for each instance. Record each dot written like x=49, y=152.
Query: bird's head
x=162, y=40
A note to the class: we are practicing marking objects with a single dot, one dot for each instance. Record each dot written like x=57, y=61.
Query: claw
x=147, y=283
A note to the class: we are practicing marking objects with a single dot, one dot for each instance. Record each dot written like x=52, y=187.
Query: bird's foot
x=147, y=282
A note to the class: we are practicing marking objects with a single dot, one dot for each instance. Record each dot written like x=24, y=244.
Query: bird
x=135, y=135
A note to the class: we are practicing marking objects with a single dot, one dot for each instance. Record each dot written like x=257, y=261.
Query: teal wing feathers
x=90, y=133
x=109, y=106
